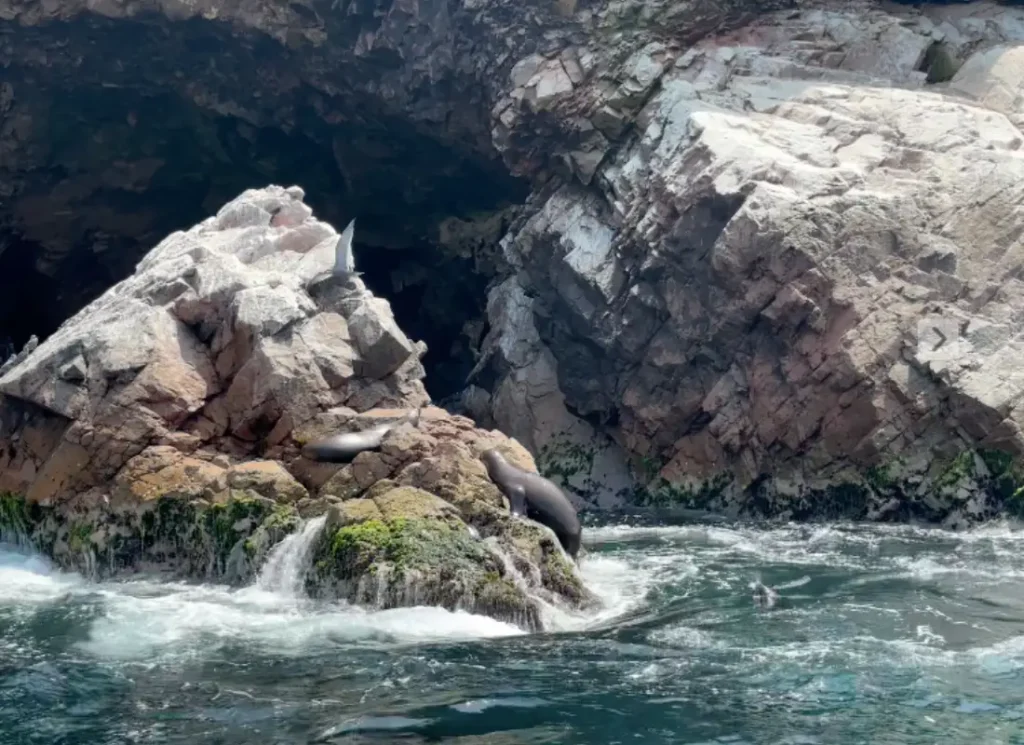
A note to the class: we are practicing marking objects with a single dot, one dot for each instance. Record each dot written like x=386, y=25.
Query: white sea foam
x=192, y=619
x=26, y=578
x=143, y=619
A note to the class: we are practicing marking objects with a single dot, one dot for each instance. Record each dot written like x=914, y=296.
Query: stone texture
x=747, y=221
x=268, y=479
x=748, y=286
x=204, y=348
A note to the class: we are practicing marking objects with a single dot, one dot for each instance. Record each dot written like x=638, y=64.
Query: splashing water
x=285, y=570
x=900, y=635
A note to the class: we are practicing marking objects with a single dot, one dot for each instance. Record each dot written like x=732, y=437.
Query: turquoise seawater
x=900, y=635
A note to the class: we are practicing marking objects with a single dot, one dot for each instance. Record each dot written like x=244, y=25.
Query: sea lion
x=342, y=448
x=768, y=597
x=532, y=495
x=764, y=596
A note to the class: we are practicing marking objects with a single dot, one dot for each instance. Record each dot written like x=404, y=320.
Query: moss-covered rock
x=500, y=597
x=660, y=492
x=14, y=522
x=557, y=573
x=562, y=459
x=952, y=490
x=400, y=561
x=248, y=554
x=353, y=511
x=417, y=522
x=224, y=540
x=1006, y=474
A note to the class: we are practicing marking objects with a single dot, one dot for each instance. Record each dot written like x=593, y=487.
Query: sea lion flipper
x=517, y=500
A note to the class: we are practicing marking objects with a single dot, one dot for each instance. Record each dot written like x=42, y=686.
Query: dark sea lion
x=764, y=596
x=342, y=448
x=768, y=597
x=532, y=495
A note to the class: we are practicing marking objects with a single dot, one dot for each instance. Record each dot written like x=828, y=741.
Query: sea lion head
x=764, y=596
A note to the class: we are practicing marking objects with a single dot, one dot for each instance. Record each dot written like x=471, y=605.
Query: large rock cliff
x=785, y=272
x=768, y=261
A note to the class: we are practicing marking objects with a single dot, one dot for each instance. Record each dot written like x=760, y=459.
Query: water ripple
x=901, y=635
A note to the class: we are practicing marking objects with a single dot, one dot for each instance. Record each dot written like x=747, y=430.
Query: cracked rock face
x=794, y=259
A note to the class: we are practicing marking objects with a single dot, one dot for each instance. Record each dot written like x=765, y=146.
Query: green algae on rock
x=953, y=489
x=13, y=518
x=400, y=543
x=189, y=538
x=696, y=494
x=402, y=561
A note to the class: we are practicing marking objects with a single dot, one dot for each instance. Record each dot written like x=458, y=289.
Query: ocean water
x=898, y=635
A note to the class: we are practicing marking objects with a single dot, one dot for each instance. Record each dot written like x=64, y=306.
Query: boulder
x=160, y=429
x=422, y=513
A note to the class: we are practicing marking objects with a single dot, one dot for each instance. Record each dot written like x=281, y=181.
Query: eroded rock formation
x=161, y=428
x=785, y=270
x=769, y=260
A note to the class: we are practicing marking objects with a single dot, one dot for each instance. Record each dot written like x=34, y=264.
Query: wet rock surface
x=422, y=511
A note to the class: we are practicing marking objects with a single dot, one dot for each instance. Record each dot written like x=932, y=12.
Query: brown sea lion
x=342, y=448
x=532, y=495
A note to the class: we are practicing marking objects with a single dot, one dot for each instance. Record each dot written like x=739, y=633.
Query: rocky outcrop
x=424, y=514
x=161, y=429
x=213, y=342
x=784, y=270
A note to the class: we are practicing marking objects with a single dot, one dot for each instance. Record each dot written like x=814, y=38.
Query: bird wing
x=344, y=261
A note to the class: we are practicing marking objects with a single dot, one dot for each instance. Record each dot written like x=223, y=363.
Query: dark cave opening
x=26, y=304
x=438, y=299
x=121, y=169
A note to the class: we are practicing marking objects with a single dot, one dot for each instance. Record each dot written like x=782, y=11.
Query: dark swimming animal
x=342, y=448
x=533, y=496
x=768, y=597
